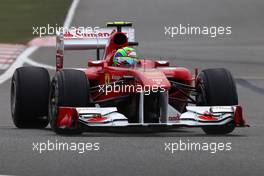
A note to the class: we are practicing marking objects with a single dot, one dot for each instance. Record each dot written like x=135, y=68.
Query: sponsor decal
x=96, y=119
x=81, y=34
x=174, y=118
x=207, y=116
x=114, y=77
x=157, y=81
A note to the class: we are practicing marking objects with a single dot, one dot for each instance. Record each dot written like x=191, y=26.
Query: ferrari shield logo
x=107, y=79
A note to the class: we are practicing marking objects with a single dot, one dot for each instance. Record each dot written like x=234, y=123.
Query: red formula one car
x=150, y=93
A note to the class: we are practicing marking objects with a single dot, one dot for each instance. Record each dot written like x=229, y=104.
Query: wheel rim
x=53, y=101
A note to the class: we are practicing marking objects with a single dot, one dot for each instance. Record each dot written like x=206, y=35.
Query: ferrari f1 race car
x=150, y=93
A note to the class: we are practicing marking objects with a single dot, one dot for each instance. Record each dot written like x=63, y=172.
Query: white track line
x=71, y=13
x=18, y=63
x=36, y=64
x=23, y=57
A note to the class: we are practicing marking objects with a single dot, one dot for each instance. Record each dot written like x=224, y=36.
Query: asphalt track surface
x=128, y=153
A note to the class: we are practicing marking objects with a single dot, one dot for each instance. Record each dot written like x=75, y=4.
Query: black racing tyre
x=216, y=87
x=29, y=97
x=68, y=88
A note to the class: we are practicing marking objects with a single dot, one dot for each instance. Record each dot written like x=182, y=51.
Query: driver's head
x=125, y=57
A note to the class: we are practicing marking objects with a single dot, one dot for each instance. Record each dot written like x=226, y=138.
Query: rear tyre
x=29, y=97
x=68, y=88
x=217, y=87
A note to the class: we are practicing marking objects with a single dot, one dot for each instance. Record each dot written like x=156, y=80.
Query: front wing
x=195, y=116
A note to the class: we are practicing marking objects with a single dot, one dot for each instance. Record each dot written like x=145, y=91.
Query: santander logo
x=96, y=119
x=207, y=116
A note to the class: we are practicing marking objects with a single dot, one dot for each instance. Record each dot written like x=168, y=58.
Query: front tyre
x=29, y=97
x=69, y=88
x=216, y=87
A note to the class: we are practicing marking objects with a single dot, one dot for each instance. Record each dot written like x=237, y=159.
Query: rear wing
x=92, y=39
x=96, y=39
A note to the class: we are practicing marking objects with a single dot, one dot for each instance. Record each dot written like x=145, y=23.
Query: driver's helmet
x=125, y=56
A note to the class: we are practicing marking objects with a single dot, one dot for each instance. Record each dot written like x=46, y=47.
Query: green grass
x=17, y=17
